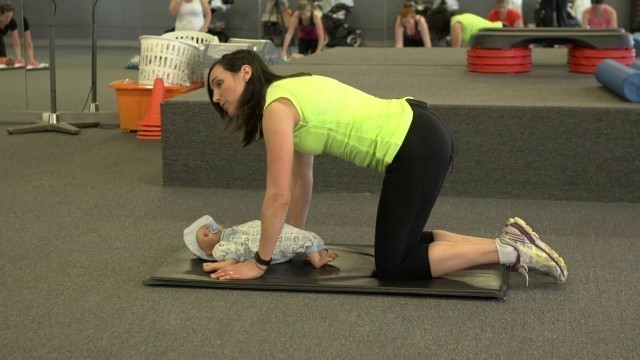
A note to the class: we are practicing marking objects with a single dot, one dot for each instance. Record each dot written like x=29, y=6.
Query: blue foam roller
x=619, y=78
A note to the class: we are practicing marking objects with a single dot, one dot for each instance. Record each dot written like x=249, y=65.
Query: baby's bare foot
x=326, y=256
x=329, y=254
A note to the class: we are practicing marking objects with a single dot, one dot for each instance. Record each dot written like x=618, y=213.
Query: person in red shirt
x=502, y=12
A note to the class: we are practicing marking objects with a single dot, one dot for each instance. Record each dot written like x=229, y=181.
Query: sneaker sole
x=526, y=230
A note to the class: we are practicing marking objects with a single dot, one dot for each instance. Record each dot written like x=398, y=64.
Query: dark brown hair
x=253, y=96
x=439, y=22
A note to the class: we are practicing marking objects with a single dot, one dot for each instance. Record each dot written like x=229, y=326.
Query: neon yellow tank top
x=343, y=121
x=472, y=23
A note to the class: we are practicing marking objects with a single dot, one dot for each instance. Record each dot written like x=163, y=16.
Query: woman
x=600, y=16
x=460, y=27
x=411, y=29
x=311, y=34
x=191, y=15
x=303, y=115
x=508, y=16
x=9, y=25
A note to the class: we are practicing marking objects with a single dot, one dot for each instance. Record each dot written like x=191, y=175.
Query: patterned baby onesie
x=241, y=242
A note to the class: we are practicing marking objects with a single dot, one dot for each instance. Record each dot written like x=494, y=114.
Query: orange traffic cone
x=150, y=128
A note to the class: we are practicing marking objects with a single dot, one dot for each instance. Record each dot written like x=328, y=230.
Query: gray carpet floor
x=85, y=219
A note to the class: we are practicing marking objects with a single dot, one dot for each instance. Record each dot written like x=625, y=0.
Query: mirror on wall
x=13, y=89
x=72, y=37
x=118, y=25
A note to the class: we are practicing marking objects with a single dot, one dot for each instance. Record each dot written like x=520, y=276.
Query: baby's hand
x=210, y=266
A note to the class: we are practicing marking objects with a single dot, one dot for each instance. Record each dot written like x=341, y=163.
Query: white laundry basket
x=197, y=37
x=170, y=59
x=200, y=39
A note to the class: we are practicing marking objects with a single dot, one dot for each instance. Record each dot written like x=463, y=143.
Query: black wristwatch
x=261, y=261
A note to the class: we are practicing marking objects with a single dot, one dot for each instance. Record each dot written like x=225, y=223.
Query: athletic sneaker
x=517, y=230
x=529, y=257
x=19, y=63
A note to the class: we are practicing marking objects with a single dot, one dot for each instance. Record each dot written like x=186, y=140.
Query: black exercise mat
x=351, y=272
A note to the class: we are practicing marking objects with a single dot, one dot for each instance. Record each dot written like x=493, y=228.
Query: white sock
x=506, y=253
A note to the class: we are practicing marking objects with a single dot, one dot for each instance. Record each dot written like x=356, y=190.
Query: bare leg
x=320, y=258
x=447, y=236
x=453, y=252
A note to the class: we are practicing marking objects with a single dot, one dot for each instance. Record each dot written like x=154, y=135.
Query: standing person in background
x=551, y=7
x=411, y=29
x=508, y=16
x=311, y=34
x=191, y=15
x=600, y=16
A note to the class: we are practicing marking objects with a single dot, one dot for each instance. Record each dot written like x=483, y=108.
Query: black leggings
x=307, y=46
x=412, y=42
x=411, y=186
x=3, y=49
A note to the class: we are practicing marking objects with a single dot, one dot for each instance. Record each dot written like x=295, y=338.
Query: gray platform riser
x=503, y=152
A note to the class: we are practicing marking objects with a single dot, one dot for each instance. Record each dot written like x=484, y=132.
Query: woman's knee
x=412, y=266
x=402, y=273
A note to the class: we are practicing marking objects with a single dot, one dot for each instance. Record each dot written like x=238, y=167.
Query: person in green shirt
x=302, y=115
x=459, y=27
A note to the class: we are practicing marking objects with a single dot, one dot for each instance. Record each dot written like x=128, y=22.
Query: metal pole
x=94, y=62
x=52, y=57
x=259, y=20
x=53, y=124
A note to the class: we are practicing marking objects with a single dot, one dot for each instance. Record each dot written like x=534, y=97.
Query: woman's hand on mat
x=242, y=271
x=215, y=266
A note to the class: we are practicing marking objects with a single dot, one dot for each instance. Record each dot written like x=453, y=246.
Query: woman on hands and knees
x=311, y=33
x=459, y=27
x=301, y=116
x=411, y=29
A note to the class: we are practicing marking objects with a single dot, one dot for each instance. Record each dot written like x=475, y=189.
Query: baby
x=209, y=241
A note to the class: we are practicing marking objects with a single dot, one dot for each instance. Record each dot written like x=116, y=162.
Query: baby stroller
x=274, y=21
x=217, y=27
x=339, y=33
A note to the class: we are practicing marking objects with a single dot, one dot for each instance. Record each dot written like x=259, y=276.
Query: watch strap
x=261, y=261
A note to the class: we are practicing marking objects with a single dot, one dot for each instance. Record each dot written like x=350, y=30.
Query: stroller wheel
x=354, y=40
